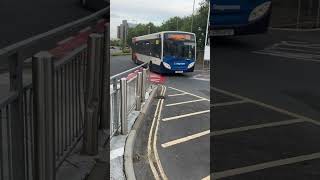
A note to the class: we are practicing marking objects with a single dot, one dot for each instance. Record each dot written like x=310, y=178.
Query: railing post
x=43, y=103
x=139, y=91
x=124, y=123
x=16, y=120
x=105, y=105
x=144, y=84
x=92, y=94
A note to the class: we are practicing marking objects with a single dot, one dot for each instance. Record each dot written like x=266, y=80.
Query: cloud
x=144, y=11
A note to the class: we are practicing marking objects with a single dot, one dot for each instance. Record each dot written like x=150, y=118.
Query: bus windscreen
x=179, y=45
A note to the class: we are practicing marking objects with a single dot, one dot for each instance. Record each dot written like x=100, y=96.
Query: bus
x=239, y=17
x=167, y=52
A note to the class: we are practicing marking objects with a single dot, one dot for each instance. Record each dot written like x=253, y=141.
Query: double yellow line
x=153, y=157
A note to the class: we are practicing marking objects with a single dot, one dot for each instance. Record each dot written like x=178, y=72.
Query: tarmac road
x=266, y=111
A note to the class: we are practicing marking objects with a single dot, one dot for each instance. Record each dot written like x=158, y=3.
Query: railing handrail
x=68, y=58
x=4, y=52
x=127, y=71
x=10, y=97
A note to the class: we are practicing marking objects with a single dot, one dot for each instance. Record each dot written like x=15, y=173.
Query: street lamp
x=192, y=15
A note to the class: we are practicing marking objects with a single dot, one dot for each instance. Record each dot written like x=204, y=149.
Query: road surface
x=266, y=114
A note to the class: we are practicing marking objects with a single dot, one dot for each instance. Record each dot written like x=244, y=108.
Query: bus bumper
x=258, y=27
x=162, y=70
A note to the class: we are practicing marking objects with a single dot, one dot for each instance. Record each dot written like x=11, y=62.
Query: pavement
x=266, y=112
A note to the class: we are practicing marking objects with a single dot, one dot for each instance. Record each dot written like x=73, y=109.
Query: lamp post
x=192, y=15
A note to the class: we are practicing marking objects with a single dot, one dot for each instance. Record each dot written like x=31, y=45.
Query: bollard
x=144, y=84
x=43, y=107
x=123, y=112
x=115, y=105
x=105, y=97
x=92, y=94
x=139, y=91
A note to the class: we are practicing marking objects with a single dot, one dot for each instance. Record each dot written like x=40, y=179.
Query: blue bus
x=239, y=17
x=166, y=52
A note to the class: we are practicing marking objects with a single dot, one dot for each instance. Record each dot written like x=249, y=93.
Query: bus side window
x=155, y=48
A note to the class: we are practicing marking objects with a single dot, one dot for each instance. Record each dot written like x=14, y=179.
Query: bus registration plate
x=178, y=71
x=223, y=32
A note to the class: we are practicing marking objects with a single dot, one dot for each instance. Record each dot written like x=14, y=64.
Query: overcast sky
x=144, y=11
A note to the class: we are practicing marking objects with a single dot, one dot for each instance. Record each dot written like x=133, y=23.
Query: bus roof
x=155, y=35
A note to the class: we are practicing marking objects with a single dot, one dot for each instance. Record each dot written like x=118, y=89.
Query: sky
x=144, y=11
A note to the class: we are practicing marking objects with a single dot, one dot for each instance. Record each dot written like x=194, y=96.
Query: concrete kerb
x=128, y=151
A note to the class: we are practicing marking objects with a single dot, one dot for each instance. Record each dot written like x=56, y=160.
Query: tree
x=177, y=24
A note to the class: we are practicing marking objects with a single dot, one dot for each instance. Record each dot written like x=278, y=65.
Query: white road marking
x=185, y=115
x=116, y=153
x=308, y=52
x=180, y=94
x=229, y=103
x=201, y=79
x=256, y=167
x=253, y=127
x=206, y=178
x=186, y=102
x=185, y=139
x=188, y=93
x=286, y=56
x=268, y=106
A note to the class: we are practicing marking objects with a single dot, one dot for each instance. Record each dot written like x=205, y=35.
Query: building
x=122, y=31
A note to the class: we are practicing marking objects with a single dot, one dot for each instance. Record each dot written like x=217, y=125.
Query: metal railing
x=127, y=93
x=41, y=122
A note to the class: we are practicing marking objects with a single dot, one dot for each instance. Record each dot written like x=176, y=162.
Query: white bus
x=166, y=52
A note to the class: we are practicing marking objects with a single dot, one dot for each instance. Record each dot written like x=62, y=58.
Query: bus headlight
x=259, y=11
x=190, y=65
x=166, y=65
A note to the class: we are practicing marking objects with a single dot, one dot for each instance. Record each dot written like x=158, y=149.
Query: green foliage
x=115, y=42
x=177, y=24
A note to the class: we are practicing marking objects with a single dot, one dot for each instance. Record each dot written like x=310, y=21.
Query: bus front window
x=179, y=48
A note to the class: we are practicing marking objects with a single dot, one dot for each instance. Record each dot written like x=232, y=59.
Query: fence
x=295, y=13
x=42, y=121
x=128, y=91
